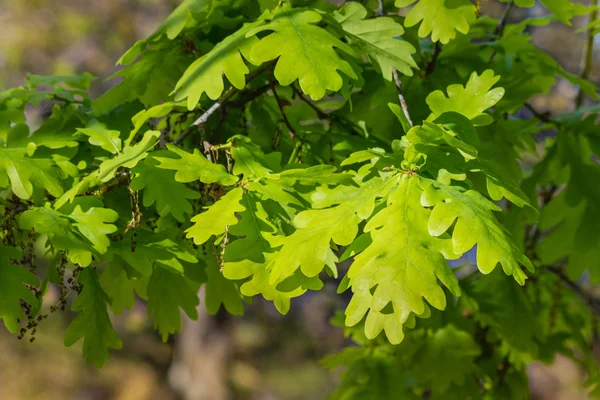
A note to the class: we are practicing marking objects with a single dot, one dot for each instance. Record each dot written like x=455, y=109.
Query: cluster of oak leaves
x=266, y=182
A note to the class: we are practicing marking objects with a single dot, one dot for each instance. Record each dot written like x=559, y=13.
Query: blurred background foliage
x=266, y=355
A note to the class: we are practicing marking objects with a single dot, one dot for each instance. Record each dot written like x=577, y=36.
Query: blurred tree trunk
x=201, y=357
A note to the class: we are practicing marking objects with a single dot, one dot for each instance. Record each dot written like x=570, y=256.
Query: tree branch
x=589, y=299
x=284, y=117
x=400, y=96
x=499, y=31
x=544, y=117
x=433, y=61
x=504, y=19
x=354, y=128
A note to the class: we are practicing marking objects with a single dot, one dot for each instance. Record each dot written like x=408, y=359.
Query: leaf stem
x=401, y=96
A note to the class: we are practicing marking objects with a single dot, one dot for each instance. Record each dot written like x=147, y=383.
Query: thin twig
x=547, y=196
x=504, y=19
x=400, y=96
x=284, y=117
x=335, y=118
x=589, y=299
x=248, y=97
x=433, y=61
x=544, y=117
x=320, y=113
x=588, y=56
x=499, y=31
x=297, y=151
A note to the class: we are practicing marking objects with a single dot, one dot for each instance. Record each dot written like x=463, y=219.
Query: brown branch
x=400, y=96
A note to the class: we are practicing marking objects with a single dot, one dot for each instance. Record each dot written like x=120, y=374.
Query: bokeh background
x=261, y=356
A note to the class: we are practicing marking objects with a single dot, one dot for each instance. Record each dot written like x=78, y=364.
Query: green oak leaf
x=205, y=75
x=564, y=10
x=13, y=279
x=162, y=190
x=143, y=116
x=80, y=234
x=250, y=256
x=169, y=291
x=471, y=100
x=446, y=357
x=152, y=248
x=308, y=248
x=188, y=13
x=149, y=80
x=570, y=233
x=315, y=175
x=304, y=51
x=400, y=267
x=475, y=225
x=121, y=288
x=378, y=38
x=220, y=290
x=94, y=225
x=93, y=322
x=129, y=157
x=184, y=14
x=251, y=162
x=81, y=82
x=57, y=131
x=194, y=166
x=508, y=305
x=441, y=18
x=217, y=218
x=24, y=171
x=98, y=135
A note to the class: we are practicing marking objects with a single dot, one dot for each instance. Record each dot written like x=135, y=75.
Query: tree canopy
x=263, y=148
